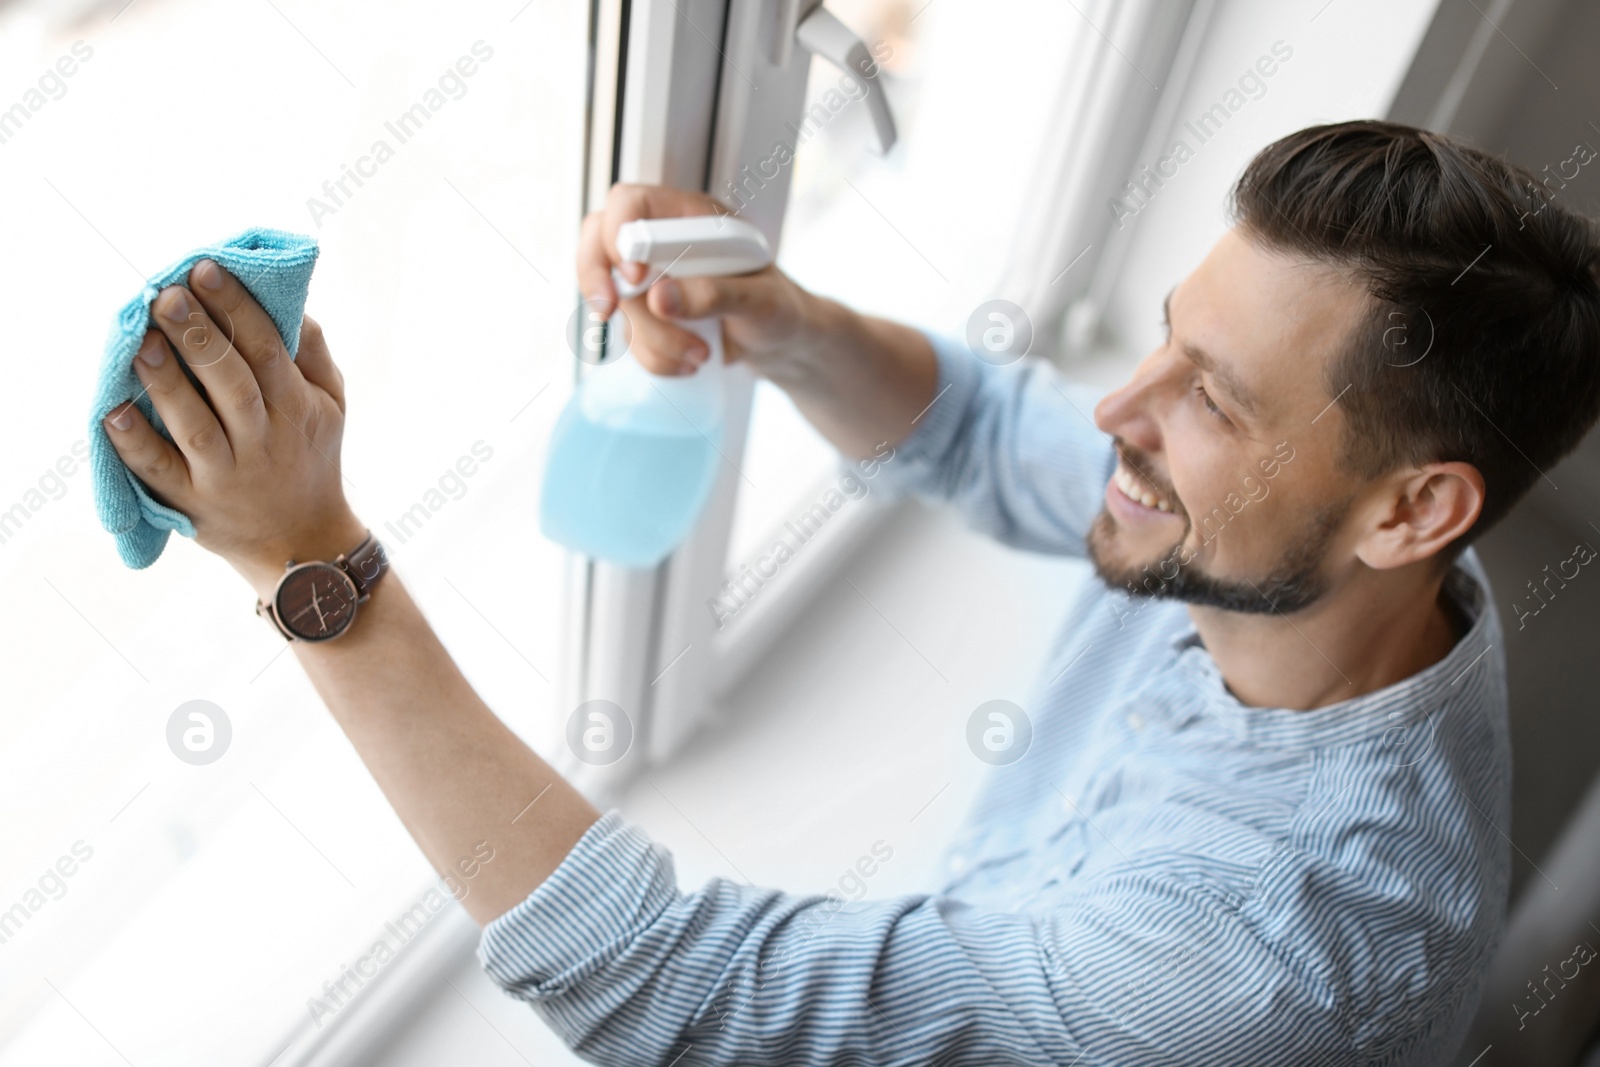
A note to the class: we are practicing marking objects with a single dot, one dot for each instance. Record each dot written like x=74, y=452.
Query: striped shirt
x=1166, y=875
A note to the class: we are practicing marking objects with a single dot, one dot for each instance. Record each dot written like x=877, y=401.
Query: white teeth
x=1135, y=490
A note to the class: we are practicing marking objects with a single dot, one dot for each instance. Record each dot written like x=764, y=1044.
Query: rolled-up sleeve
x=630, y=970
x=1013, y=448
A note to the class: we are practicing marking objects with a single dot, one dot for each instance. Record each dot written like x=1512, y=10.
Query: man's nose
x=1130, y=411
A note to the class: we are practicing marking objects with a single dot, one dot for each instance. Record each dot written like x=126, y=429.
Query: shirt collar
x=1470, y=665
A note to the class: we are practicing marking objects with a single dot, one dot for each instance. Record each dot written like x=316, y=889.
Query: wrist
x=266, y=562
x=825, y=329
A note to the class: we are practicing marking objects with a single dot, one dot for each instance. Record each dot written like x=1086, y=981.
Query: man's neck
x=1377, y=629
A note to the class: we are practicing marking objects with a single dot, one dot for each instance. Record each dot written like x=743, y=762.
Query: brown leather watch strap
x=365, y=564
x=362, y=567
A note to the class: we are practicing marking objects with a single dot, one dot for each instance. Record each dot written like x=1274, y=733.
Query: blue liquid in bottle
x=634, y=456
x=627, y=492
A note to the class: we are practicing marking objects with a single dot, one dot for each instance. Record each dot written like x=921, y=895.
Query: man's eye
x=1206, y=399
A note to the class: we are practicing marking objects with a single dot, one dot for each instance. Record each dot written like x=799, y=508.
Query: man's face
x=1227, y=491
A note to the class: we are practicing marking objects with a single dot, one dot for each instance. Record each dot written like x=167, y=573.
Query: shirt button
x=957, y=864
x=1136, y=720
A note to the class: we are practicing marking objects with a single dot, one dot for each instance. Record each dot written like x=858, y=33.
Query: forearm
x=454, y=773
x=259, y=478
x=859, y=379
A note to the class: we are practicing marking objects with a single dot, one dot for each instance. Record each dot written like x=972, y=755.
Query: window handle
x=822, y=34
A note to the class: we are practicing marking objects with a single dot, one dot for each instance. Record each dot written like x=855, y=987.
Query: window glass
x=157, y=910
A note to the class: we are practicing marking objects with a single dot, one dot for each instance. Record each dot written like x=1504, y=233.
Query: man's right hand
x=862, y=381
x=765, y=315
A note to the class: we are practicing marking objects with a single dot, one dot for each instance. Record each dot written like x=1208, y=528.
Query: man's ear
x=1421, y=511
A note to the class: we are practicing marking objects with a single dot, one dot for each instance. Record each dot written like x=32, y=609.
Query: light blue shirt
x=1167, y=876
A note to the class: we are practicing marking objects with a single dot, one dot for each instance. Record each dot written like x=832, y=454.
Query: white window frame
x=701, y=86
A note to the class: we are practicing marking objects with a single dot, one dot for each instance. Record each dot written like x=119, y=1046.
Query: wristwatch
x=317, y=601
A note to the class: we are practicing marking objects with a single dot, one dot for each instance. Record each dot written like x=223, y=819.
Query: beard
x=1294, y=581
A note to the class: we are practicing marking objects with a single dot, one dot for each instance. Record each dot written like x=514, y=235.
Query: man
x=1261, y=816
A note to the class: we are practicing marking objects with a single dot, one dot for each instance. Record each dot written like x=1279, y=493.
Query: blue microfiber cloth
x=276, y=269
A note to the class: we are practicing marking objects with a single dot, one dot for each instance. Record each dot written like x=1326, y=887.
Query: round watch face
x=316, y=601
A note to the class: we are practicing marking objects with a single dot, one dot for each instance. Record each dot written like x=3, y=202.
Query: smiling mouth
x=1135, y=488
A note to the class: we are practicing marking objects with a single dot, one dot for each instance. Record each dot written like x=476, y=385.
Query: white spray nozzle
x=688, y=247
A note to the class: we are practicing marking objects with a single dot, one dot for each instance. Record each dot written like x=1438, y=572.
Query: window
x=208, y=904
x=923, y=235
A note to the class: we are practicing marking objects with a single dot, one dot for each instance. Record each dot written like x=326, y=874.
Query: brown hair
x=1469, y=257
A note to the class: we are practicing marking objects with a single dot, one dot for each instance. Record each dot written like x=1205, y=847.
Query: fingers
x=189, y=419
x=149, y=455
x=597, y=237
x=713, y=296
x=252, y=331
x=594, y=265
x=663, y=347
x=316, y=362
x=660, y=347
x=230, y=385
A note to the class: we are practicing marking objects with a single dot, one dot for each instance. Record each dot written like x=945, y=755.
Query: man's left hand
x=256, y=460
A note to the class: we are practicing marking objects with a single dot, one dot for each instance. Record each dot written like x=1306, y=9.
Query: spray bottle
x=634, y=455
